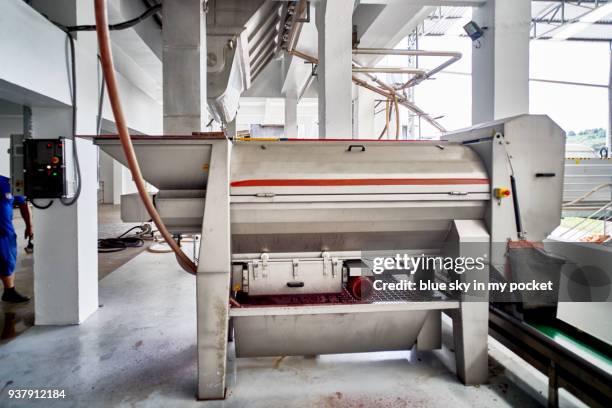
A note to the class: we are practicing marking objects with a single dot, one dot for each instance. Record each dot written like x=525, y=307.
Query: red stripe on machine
x=356, y=182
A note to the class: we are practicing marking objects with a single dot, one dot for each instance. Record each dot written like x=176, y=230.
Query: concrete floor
x=15, y=319
x=139, y=350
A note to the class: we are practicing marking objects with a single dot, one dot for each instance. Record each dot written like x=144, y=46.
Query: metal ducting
x=241, y=40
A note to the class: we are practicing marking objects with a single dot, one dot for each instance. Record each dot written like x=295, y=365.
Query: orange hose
x=397, y=118
x=387, y=116
x=124, y=135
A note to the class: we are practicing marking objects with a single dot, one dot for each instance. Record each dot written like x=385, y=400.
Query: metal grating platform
x=345, y=298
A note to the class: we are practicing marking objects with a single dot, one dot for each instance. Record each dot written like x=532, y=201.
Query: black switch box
x=44, y=168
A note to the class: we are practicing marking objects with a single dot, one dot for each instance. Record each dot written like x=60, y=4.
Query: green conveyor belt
x=585, y=351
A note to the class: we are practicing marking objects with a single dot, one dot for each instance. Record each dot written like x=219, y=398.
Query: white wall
x=573, y=107
x=8, y=125
x=4, y=159
x=22, y=51
x=106, y=178
x=449, y=94
x=271, y=111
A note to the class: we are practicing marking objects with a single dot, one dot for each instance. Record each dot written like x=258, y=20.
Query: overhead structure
x=290, y=38
x=570, y=20
x=239, y=43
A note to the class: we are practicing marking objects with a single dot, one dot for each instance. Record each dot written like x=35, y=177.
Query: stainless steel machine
x=293, y=218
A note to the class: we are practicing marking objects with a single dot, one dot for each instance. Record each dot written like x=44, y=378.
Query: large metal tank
x=319, y=195
x=313, y=195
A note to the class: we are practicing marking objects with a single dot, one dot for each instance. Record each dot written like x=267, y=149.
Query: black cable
x=68, y=29
x=41, y=207
x=100, y=102
x=130, y=230
x=120, y=26
x=75, y=154
x=106, y=245
x=156, y=16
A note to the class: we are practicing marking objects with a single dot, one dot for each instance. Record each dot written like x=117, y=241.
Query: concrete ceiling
x=137, y=51
x=380, y=24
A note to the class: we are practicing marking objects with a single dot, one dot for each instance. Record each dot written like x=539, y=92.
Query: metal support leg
x=470, y=330
x=230, y=330
x=553, y=387
x=213, y=279
x=471, y=321
x=430, y=336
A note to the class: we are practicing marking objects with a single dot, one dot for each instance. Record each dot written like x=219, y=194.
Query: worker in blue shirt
x=8, y=240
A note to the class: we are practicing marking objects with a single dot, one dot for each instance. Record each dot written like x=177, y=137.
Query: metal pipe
x=587, y=195
x=366, y=85
x=305, y=87
x=382, y=133
x=422, y=114
x=454, y=57
x=296, y=25
x=389, y=70
x=403, y=101
x=423, y=53
x=283, y=17
x=387, y=90
x=305, y=57
x=429, y=74
x=387, y=116
x=106, y=59
x=294, y=34
x=397, y=118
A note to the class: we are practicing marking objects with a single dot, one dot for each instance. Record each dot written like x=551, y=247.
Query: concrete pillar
x=364, y=119
x=184, y=67
x=65, y=256
x=291, y=124
x=231, y=129
x=609, y=142
x=500, y=60
x=117, y=182
x=106, y=178
x=334, y=26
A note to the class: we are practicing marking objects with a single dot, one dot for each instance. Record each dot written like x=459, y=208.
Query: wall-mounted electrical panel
x=47, y=168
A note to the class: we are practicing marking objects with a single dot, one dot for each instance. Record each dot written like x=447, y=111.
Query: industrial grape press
x=287, y=226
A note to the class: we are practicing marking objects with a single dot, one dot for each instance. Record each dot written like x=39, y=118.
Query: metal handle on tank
x=350, y=148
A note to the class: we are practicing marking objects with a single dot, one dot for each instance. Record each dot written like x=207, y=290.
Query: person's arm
x=26, y=214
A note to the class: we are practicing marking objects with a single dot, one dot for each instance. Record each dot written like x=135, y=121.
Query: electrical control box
x=47, y=168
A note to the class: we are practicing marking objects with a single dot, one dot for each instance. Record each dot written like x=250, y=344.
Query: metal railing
x=572, y=204
x=592, y=224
